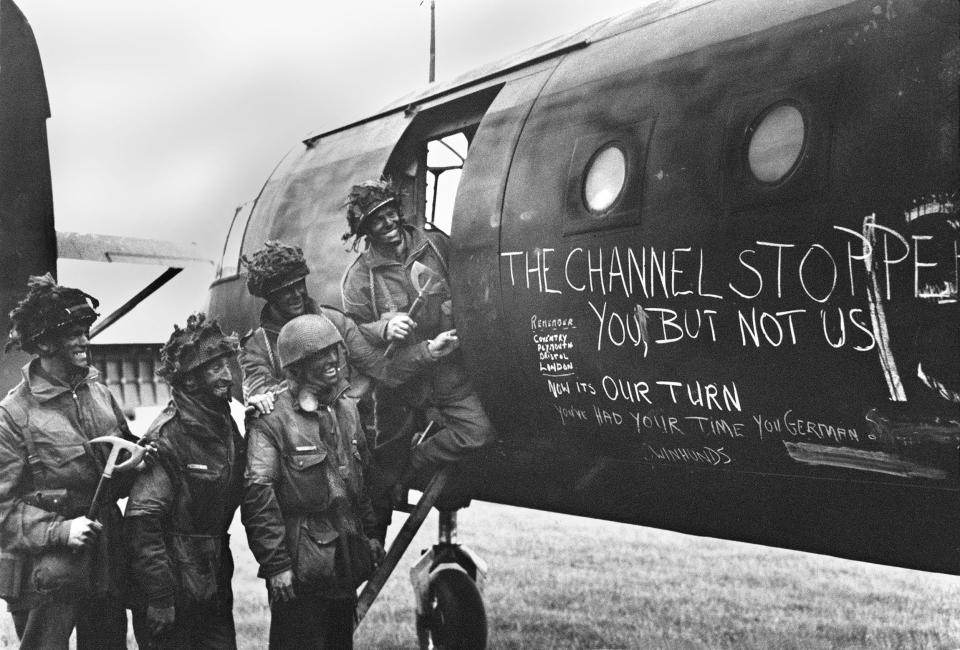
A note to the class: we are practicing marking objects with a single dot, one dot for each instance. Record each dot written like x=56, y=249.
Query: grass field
x=568, y=582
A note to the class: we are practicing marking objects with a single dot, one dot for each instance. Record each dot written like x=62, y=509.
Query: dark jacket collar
x=197, y=417
x=415, y=239
x=274, y=326
x=334, y=396
x=44, y=386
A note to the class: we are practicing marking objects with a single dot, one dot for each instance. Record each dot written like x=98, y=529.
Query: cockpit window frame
x=407, y=163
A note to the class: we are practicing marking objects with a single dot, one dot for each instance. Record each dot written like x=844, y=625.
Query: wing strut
x=142, y=295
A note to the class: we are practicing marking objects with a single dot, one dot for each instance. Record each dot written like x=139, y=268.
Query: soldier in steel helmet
x=306, y=510
x=277, y=273
x=181, y=508
x=377, y=293
x=49, y=474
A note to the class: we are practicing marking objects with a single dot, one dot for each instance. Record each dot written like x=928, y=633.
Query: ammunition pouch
x=62, y=569
x=54, y=571
x=325, y=556
x=11, y=575
x=57, y=501
x=197, y=560
x=59, y=569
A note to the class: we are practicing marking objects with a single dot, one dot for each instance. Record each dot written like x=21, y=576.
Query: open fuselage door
x=423, y=143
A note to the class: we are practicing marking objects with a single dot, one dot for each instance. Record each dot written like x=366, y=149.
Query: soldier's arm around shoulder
x=256, y=364
x=23, y=527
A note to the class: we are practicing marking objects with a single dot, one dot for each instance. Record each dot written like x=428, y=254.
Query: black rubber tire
x=456, y=618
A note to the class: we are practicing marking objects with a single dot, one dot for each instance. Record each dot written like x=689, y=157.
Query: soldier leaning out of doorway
x=278, y=273
x=181, y=508
x=378, y=292
x=59, y=569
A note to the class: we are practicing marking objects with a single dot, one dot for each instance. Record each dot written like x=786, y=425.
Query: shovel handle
x=97, y=498
x=413, y=313
x=116, y=446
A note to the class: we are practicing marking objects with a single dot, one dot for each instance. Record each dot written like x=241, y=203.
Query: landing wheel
x=455, y=617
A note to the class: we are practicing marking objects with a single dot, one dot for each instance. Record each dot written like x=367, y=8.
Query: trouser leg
x=382, y=503
x=339, y=624
x=209, y=628
x=396, y=422
x=147, y=641
x=47, y=627
x=293, y=624
x=141, y=630
x=221, y=632
x=466, y=427
x=217, y=631
x=101, y=625
x=312, y=622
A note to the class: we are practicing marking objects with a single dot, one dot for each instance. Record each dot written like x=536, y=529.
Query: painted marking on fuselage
x=878, y=318
x=869, y=461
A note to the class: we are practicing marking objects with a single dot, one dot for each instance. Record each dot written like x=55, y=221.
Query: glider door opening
x=429, y=159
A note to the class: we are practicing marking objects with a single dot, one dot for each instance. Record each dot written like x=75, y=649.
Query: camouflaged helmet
x=47, y=308
x=304, y=336
x=191, y=347
x=273, y=267
x=365, y=199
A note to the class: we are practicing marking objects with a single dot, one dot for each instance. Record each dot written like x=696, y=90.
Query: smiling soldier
x=59, y=569
x=277, y=273
x=306, y=508
x=179, y=511
x=378, y=293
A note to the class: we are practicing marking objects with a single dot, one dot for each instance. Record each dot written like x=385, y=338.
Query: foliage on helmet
x=47, y=308
x=365, y=199
x=194, y=345
x=273, y=266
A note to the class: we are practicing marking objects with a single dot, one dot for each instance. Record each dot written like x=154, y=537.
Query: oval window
x=605, y=177
x=776, y=142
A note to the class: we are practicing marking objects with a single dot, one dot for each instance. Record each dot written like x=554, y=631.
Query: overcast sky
x=167, y=115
